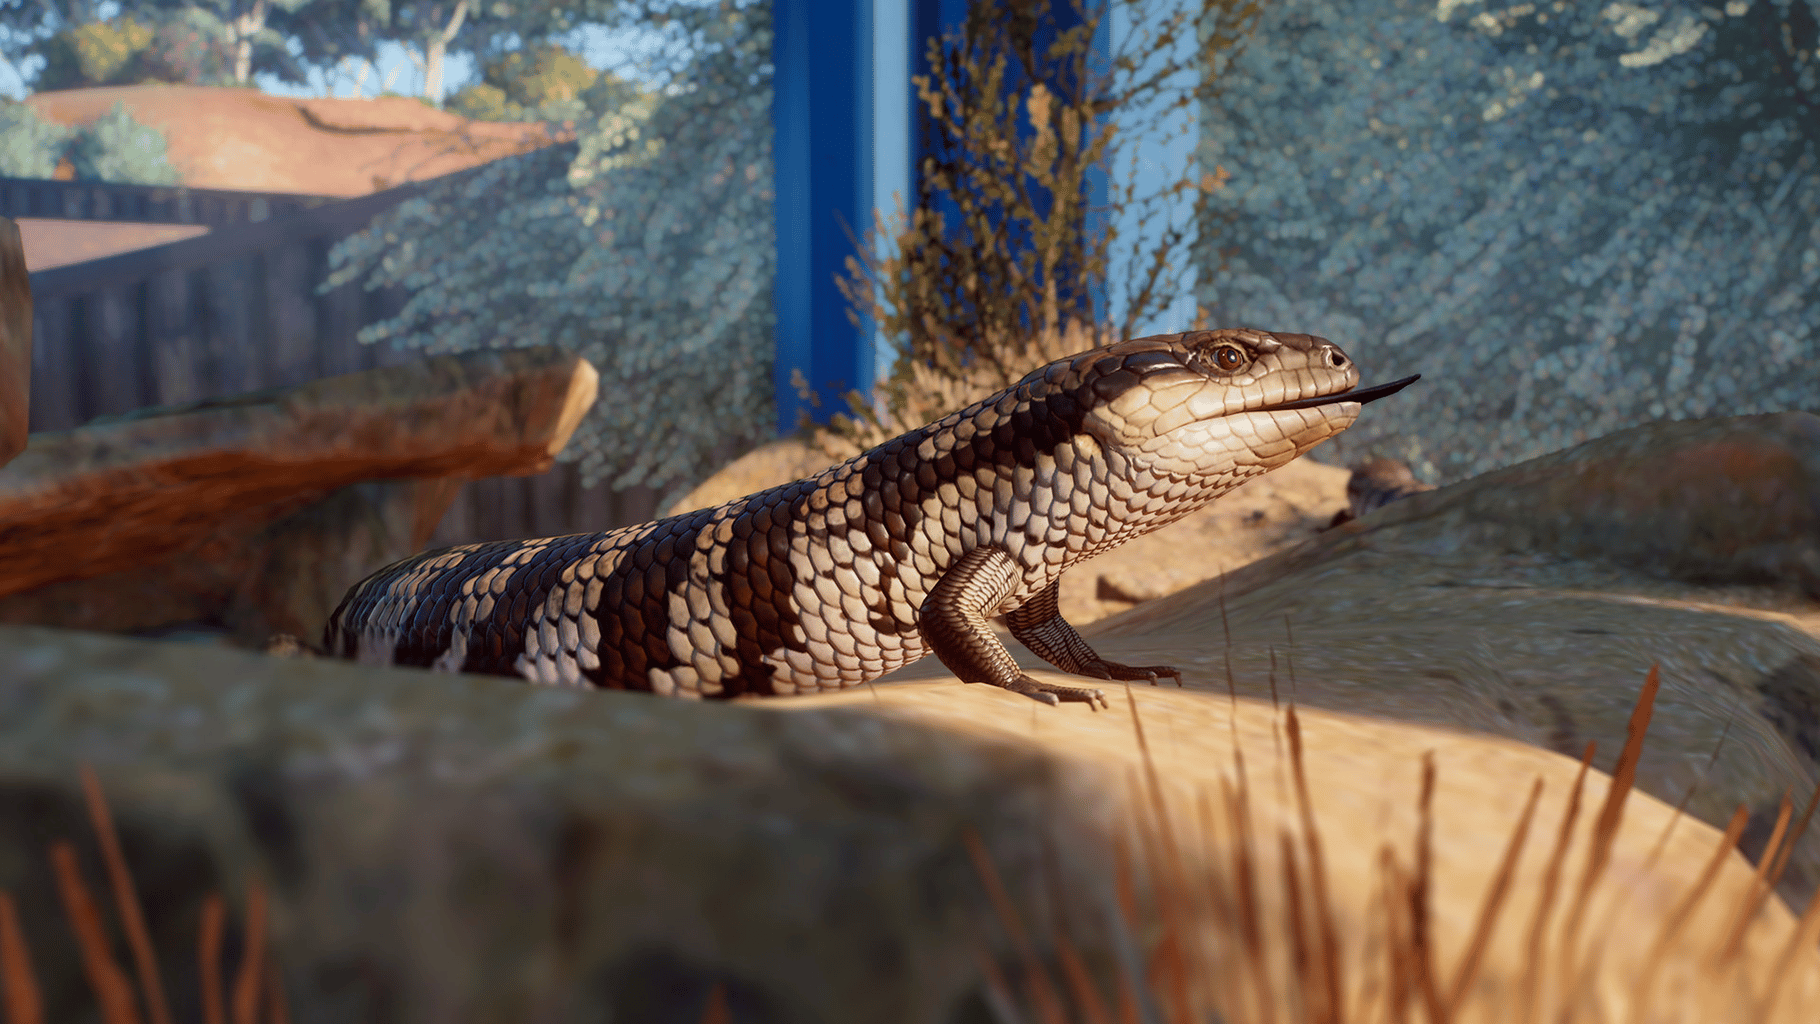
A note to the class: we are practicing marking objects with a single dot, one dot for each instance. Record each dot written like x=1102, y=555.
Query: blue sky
x=618, y=51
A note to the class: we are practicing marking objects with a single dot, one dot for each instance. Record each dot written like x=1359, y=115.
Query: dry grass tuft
x=1216, y=953
x=118, y=1001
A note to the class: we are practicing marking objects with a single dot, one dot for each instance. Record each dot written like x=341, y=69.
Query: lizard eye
x=1229, y=358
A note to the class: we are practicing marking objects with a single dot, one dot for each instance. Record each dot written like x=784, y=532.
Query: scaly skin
x=905, y=550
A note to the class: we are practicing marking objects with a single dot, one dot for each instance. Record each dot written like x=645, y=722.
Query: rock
x=127, y=491
x=1376, y=483
x=1525, y=603
x=455, y=848
x=233, y=520
x=1733, y=500
x=15, y=342
x=248, y=577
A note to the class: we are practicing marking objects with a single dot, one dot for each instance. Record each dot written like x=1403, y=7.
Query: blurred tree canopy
x=541, y=81
x=1571, y=218
x=646, y=246
x=194, y=42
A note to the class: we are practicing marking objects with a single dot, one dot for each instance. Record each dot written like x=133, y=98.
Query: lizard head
x=1219, y=401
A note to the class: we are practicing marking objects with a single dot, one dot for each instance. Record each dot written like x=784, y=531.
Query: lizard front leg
x=953, y=625
x=1039, y=626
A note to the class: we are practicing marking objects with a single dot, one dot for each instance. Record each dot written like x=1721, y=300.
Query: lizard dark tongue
x=1359, y=395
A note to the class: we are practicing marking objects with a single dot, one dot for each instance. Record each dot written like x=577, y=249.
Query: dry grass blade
x=1245, y=894
x=1788, y=848
x=1678, y=918
x=1171, y=881
x=252, y=959
x=1086, y=995
x=1551, y=880
x=112, y=990
x=1129, y=996
x=1421, y=943
x=1494, y=904
x=1081, y=987
x=1397, y=945
x=998, y=991
x=716, y=1011
x=1313, y=1007
x=208, y=959
x=23, y=1003
x=1747, y=909
x=126, y=901
x=276, y=1011
x=1327, y=950
x=1605, y=826
x=1042, y=989
x=1802, y=940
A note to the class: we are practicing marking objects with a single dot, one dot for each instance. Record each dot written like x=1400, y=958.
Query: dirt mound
x=245, y=139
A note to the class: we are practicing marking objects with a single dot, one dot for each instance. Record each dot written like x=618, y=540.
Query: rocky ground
x=439, y=847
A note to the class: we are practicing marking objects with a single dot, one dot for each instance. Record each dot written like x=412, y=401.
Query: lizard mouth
x=1359, y=395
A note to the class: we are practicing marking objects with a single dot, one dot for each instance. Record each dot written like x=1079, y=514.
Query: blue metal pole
x=822, y=116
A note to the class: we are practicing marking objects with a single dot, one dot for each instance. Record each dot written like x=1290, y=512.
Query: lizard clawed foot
x=1137, y=673
x=1053, y=694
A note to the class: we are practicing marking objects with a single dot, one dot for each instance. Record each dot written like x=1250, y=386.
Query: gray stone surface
x=1530, y=602
x=445, y=848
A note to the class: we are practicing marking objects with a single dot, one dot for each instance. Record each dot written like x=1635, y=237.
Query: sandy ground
x=56, y=243
x=244, y=139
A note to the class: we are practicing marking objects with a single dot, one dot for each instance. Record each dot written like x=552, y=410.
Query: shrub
x=185, y=51
x=537, y=83
x=482, y=102
x=29, y=145
x=118, y=148
x=99, y=53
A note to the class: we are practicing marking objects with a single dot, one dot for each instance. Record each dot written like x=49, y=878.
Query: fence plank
x=238, y=310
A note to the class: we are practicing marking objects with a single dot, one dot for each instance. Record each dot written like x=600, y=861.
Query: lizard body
x=907, y=549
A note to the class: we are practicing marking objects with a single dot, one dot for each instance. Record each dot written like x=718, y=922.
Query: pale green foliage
x=1570, y=217
x=118, y=148
x=29, y=145
x=533, y=83
x=481, y=101
x=98, y=53
x=647, y=248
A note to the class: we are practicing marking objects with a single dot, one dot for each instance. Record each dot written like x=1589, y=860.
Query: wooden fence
x=238, y=310
x=148, y=204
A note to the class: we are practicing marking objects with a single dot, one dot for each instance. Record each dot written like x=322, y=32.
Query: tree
x=1571, y=218
x=329, y=31
x=29, y=145
x=26, y=24
x=536, y=82
x=646, y=247
x=116, y=147
x=98, y=53
x=244, y=26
